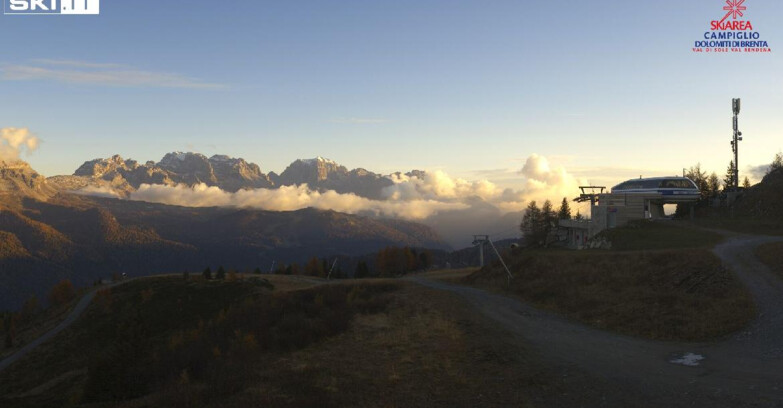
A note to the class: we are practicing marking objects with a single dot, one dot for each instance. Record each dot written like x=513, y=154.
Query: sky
x=608, y=90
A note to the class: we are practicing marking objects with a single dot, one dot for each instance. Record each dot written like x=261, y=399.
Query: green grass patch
x=665, y=295
x=647, y=235
x=746, y=225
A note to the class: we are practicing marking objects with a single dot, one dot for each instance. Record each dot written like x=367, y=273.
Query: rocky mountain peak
x=98, y=168
x=311, y=171
x=18, y=180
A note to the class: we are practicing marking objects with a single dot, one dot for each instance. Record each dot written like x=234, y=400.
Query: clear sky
x=607, y=89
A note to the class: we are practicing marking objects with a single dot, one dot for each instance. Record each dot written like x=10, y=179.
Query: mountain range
x=230, y=174
x=118, y=177
x=47, y=233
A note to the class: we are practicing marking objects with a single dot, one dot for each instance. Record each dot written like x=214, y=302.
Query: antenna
x=735, y=107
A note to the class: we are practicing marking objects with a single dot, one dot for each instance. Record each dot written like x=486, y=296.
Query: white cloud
x=289, y=198
x=542, y=182
x=538, y=179
x=454, y=207
x=105, y=74
x=99, y=191
x=15, y=140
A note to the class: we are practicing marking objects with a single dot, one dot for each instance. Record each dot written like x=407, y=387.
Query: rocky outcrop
x=230, y=174
x=19, y=181
x=324, y=174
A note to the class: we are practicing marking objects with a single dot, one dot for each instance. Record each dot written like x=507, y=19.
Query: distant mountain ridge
x=47, y=234
x=228, y=173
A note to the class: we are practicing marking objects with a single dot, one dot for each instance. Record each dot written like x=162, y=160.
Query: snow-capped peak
x=318, y=159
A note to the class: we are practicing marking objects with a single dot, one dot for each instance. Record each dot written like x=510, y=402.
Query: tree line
x=537, y=223
x=711, y=185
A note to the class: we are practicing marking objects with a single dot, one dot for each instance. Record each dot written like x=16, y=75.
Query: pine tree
x=565, y=210
x=746, y=183
x=713, y=185
x=728, y=179
x=361, y=270
x=533, y=224
x=699, y=177
x=313, y=267
x=207, y=274
x=221, y=273
x=578, y=216
x=411, y=260
x=425, y=259
x=777, y=163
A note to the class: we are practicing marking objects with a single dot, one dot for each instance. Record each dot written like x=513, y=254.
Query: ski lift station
x=635, y=199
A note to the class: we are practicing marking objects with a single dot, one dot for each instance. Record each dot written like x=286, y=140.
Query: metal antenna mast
x=735, y=107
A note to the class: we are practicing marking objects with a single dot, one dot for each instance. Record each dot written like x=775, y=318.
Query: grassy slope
x=182, y=343
x=772, y=255
x=668, y=294
x=646, y=235
x=743, y=224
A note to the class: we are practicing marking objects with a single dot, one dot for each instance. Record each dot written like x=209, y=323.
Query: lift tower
x=735, y=107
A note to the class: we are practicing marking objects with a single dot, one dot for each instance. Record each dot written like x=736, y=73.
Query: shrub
x=62, y=293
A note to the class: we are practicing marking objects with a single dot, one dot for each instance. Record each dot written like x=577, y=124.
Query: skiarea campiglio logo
x=732, y=33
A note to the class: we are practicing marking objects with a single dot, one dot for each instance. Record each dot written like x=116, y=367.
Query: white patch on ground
x=689, y=359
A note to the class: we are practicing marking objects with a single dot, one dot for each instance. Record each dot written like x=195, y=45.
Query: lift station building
x=637, y=199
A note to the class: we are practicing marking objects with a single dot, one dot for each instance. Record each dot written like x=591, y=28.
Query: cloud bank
x=15, y=140
x=538, y=179
x=456, y=208
x=288, y=198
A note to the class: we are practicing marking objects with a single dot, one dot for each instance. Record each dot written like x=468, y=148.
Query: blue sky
x=607, y=89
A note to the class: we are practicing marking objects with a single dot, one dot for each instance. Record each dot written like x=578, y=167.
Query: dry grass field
x=665, y=294
x=370, y=343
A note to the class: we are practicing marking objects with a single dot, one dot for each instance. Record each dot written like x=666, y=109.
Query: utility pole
x=482, y=240
x=735, y=107
x=329, y=275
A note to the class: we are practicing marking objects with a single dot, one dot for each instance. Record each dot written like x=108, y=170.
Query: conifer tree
x=565, y=210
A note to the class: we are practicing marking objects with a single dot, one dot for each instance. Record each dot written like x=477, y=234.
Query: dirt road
x=745, y=370
x=75, y=313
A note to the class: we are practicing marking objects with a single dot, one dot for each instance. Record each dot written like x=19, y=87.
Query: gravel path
x=75, y=313
x=82, y=306
x=745, y=370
